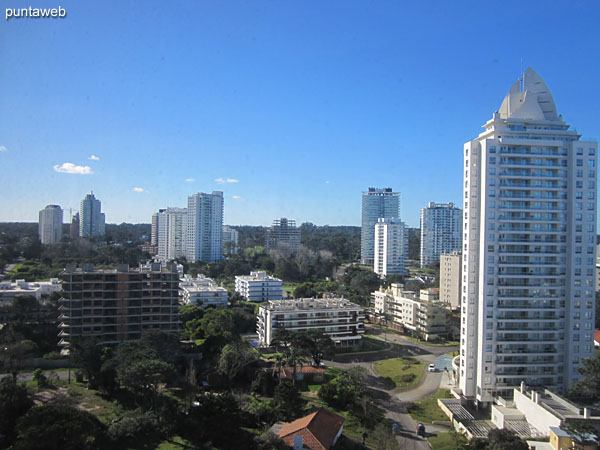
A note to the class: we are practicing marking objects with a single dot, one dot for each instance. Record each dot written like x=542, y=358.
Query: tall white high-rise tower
x=529, y=248
x=204, y=227
x=91, y=219
x=376, y=204
x=441, y=231
x=50, y=224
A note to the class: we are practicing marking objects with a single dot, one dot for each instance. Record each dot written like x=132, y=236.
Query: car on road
x=431, y=368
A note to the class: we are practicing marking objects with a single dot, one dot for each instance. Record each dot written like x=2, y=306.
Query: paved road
x=396, y=401
x=23, y=377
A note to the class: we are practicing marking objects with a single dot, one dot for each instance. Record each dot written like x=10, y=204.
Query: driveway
x=392, y=400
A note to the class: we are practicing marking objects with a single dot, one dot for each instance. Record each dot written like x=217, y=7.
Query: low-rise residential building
x=117, y=305
x=530, y=414
x=339, y=318
x=259, y=287
x=37, y=289
x=319, y=430
x=450, y=275
x=422, y=314
x=202, y=291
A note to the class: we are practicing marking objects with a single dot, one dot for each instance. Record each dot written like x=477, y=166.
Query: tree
x=287, y=401
x=589, y=385
x=58, y=427
x=504, y=439
x=144, y=377
x=14, y=403
x=270, y=441
x=96, y=363
x=166, y=345
x=13, y=351
x=318, y=345
x=234, y=358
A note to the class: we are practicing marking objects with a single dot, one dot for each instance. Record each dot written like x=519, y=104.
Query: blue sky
x=291, y=108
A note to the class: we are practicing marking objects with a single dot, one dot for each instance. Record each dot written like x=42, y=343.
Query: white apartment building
x=339, y=318
x=171, y=230
x=391, y=247
x=204, y=227
x=37, y=289
x=450, y=278
x=202, y=291
x=376, y=203
x=259, y=287
x=441, y=231
x=50, y=224
x=423, y=314
x=91, y=219
x=529, y=248
x=230, y=240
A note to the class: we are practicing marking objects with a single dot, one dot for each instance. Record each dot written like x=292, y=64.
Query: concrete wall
x=536, y=415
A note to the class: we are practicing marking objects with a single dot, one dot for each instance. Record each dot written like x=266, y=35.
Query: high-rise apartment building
x=441, y=231
x=154, y=228
x=171, y=229
x=50, y=224
x=74, y=227
x=283, y=235
x=259, y=287
x=91, y=217
x=230, y=240
x=391, y=247
x=117, y=305
x=204, y=227
x=376, y=204
x=529, y=248
x=450, y=278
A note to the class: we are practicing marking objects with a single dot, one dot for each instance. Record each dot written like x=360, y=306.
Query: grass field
x=427, y=410
x=446, y=441
x=404, y=371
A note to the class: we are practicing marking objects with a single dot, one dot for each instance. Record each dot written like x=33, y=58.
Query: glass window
x=579, y=151
x=591, y=151
x=591, y=163
x=579, y=173
x=579, y=162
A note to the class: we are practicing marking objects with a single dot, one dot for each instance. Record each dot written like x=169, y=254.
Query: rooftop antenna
x=522, y=78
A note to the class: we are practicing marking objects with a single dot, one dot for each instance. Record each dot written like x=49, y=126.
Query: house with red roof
x=319, y=430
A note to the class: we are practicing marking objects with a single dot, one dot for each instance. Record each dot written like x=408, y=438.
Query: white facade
x=340, y=319
x=202, y=291
x=423, y=314
x=91, y=219
x=529, y=248
x=50, y=224
x=259, y=287
x=450, y=278
x=204, y=227
x=230, y=240
x=171, y=230
x=391, y=247
x=37, y=289
x=441, y=228
x=376, y=204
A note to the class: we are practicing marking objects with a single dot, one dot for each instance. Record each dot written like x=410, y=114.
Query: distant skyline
x=292, y=109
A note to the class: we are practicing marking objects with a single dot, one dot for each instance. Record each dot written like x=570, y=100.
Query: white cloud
x=226, y=180
x=73, y=169
x=190, y=180
x=237, y=197
x=3, y=148
x=326, y=181
x=139, y=189
x=94, y=158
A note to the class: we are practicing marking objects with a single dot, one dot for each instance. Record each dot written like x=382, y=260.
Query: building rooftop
x=323, y=424
x=311, y=303
x=257, y=276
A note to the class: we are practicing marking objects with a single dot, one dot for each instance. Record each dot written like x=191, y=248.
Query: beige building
x=450, y=275
x=423, y=314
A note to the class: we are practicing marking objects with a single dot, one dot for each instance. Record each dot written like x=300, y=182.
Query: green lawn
x=404, y=371
x=427, y=410
x=289, y=287
x=446, y=441
x=177, y=443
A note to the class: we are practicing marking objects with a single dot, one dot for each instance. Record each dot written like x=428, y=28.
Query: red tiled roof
x=288, y=370
x=323, y=424
x=597, y=335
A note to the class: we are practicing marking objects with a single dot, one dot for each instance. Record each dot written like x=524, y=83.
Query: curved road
x=395, y=401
